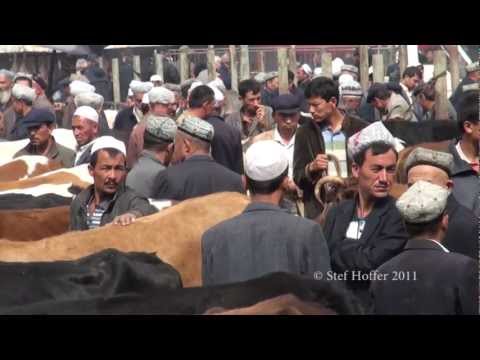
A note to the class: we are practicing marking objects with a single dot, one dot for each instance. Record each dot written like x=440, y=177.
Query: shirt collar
x=439, y=244
x=462, y=156
x=279, y=139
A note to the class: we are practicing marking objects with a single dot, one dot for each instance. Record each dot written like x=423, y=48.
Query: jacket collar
x=459, y=166
x=85, y=196
x=424, y=244
x=261, y=206
x=149, y=155
x=52, y=151
x=199, y=158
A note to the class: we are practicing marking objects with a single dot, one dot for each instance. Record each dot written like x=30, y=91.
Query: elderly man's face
x=301, y=75
x=429, y=173
x=351, y=102
x=109, y=172
x=39, y=135
x=287, y=123
x=5, y=83
x=84, y=130
x=375, y=176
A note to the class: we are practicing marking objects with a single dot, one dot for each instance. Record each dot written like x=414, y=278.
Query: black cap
x=286, y=104
x=37, y=117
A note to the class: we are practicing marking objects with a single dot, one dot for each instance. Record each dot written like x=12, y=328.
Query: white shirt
x=443, y=247
x=289, y=147
x=409, y=94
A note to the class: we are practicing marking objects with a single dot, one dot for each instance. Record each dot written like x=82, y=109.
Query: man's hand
x=125, y=219
x=261, y=115
x=320, y=163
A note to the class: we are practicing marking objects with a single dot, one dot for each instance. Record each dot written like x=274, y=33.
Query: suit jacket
x=384, y=237
x=197, y=176
x=309, y=143
x=261, y=240
x=226, y=145
x=398, y=107
x=445, y=283
x=462, y=233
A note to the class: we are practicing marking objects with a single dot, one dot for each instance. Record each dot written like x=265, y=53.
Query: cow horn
x=326, y=179
x=336, y=163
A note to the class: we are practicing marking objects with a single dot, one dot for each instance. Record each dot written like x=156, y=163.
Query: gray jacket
x=124, y=201
x=142, y=177
x=466, y=182
x=235, y=120
x=261, y=240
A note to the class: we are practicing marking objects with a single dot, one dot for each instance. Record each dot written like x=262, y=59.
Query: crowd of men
x=179, y=141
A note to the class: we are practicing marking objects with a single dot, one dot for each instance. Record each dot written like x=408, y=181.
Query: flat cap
x=161, y=127
x=265, y=160
x=161, y=95
x=37, y=117
x=23, y=92
x=286, y=104
x=198, y=128
x=78, y=87
x=271, y=75
x=422, y=202
x=422, y=156
x=260, y=77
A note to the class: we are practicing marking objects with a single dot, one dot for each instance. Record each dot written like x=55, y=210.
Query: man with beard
x=39, y=124
x=85, y=129
x=326, y=132
x=23, y=98
x=6, y=101
x=107, y=200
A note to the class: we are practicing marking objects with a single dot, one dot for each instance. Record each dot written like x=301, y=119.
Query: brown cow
x=56, y=178
x=173, y=235
x=281, y=305
x=19, y=168
x=36, y=224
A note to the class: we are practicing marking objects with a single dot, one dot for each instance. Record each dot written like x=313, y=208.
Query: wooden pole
x=116, y=81
x=378, y=70
x=364, y=67
x=184, y=74
x=244, y=63
x=327, y=65
x=282, y=70
x=441, y=101
x=292, y=62
x=454, y=66
x=212, y=73
x=137, y=69
x=159, y=64
x=403, y=59
x=233, y=67
x=261, y=61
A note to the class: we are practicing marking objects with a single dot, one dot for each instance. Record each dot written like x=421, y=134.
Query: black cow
x=414, y=133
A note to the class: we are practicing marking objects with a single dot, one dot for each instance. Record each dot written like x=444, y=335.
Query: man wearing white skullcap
x=162, y=103
x=23, y=98
x=76, y=88
x=157, y=80
x=108, y=199
x=85, y=129
x=95, y=101
x=195, y=172
x=264, y=238
x=432, y=279
x=304, y=75
x=126, y=119
x=367, y=230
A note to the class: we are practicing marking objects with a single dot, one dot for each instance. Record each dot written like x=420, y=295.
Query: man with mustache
x=39, y=124
x=108, y=199
x=6, y=101
x=366, y=231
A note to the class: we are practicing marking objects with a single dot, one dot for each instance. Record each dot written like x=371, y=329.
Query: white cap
x=145, y=99
x=307, y=69
x=337, y=64
x=218, y=83
x=108, y=142
x=140, y=87
x=161, y=95
x=130, y=93
x=374, y=132
x=23, y=92
x=155, y=77
x=317, y=71
x=217, y=94
x=265, y=160
x=194, y=85
x=87, y=112
x=345, y=78
x=78, y=87
x=89, y=99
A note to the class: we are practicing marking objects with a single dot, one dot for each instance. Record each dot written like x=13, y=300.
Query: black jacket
x=308, y=144
x=458, y=93
x=197, y=176
x=462, y=233
x=125, y=121
x=384, y=237
x=439, y=282
x=226, y=145
x=124, y=201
